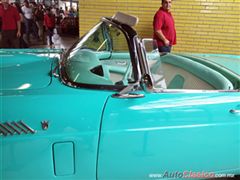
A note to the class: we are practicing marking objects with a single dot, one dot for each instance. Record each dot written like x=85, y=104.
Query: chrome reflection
x=185, y=102
x=12, y=128
x=24, y=86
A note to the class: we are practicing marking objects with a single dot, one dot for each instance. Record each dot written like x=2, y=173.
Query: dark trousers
x=31, y=27
x=164, y=48
x=50, y=34
x=9, y=39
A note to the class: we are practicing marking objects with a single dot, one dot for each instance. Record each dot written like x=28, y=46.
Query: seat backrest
x=177, y=82
x=178, y=78
x=212, y=77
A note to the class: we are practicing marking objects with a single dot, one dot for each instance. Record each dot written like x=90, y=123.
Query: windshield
x=101, y=57
x=154, y=63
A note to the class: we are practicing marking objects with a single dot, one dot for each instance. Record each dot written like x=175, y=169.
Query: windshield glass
x=101, y=57
x=154, y=63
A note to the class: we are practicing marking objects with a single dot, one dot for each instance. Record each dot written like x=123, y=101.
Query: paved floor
x=65, y=42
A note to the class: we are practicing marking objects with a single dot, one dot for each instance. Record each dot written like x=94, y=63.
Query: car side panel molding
x=12, y=128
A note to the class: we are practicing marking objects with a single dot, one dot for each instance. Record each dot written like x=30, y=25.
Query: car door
x=170, y=135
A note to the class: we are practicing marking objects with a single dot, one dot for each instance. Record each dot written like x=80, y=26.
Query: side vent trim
x=12, y=128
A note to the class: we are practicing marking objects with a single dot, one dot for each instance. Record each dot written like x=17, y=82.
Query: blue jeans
x=164, y=48
x=30, y=27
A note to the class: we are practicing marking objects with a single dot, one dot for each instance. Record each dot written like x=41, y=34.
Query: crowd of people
x=22, y=23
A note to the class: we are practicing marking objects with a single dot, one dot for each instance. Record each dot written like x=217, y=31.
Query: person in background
x=0, y=26
x=58, y=19
x=34, y=7
x=49, y=22
x=39, y=18
x=28, y=20
x=22, y=43
x=71, y=13
x=61, y=11
x=164, y=27
x=11, y=25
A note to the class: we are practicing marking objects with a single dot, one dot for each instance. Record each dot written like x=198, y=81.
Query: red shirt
x=49, y=21
x=10, y=17
x=163, y=20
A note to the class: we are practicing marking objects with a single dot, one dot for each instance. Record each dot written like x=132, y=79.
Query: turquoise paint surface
x=64, y=161
x=232, y=62
x=74, y=115
x=27, y=71
x=170, y=132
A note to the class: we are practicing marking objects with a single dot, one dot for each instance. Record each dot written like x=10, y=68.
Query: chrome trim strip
x=234, y=111
x=2, y=132
x=11, y=128
x=127, y=95
x=6, y=128
x=19, y=127
x=27, y=127
x=160, y=90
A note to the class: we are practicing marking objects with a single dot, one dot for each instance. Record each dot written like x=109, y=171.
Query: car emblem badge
x=44, y=125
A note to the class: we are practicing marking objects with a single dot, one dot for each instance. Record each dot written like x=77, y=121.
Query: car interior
x=174, y=71
x=184, y=73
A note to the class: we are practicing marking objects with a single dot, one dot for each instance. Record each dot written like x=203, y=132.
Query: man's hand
x=18, y=34
x=162, y=37
x=166, y=42
x=18, y=28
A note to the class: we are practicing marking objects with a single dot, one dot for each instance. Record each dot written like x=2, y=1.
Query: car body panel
x=170, y=132
x=31, y=72
x=33, y=156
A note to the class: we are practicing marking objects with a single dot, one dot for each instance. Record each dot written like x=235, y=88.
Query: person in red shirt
x=49, y=23
x=164, y=27
x=11, y=25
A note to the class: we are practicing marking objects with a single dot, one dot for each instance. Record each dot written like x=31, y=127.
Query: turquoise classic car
x=111, y=107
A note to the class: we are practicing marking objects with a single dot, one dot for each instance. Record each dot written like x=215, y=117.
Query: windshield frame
x=130, y=35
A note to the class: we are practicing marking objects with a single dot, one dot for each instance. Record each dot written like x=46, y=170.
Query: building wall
x=207, y=26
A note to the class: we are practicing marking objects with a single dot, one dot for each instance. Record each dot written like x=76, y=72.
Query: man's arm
x=18, y=28
x=1, y=10
x=157, y=25
x=162, y=37
x=18, y=19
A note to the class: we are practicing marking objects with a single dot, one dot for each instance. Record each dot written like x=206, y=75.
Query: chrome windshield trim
x=159, y=90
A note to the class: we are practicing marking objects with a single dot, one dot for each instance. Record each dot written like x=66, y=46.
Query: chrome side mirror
x=128, y=92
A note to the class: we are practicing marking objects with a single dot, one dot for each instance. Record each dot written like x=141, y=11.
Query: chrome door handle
x=234, y=111
x=127, y=95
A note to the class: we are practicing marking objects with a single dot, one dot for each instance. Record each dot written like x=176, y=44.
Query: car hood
x=24, y=71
